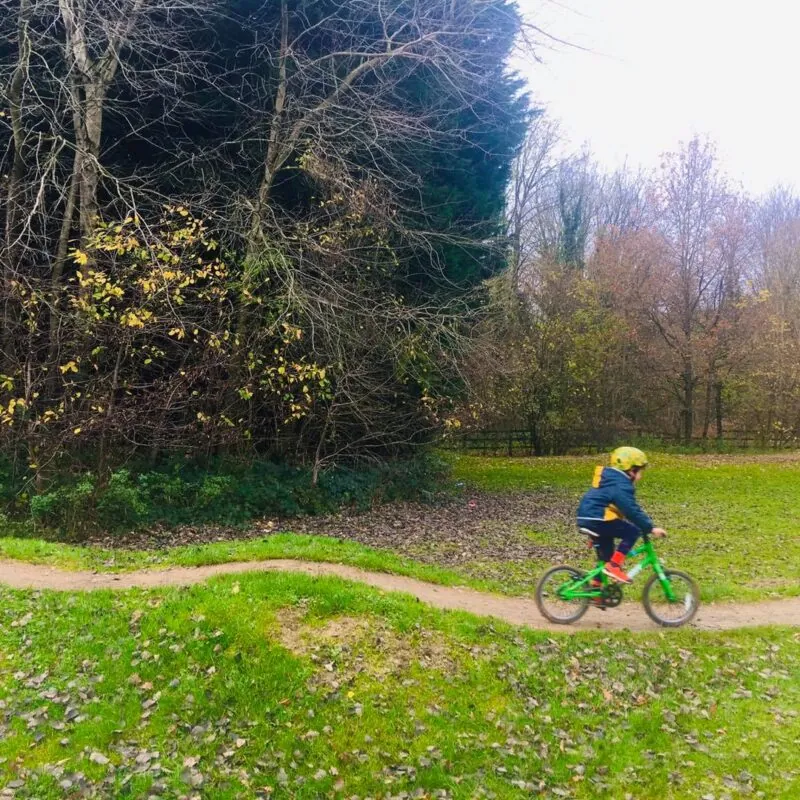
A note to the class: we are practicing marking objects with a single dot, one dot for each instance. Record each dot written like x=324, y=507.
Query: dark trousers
x=609, y=532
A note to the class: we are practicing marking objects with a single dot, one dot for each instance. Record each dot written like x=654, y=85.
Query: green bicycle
x=670, y=597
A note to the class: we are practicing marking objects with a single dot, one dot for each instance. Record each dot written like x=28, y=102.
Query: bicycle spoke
x=551, y=599
x=682, y=605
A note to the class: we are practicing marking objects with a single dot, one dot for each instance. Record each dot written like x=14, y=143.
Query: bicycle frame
x=574, y=590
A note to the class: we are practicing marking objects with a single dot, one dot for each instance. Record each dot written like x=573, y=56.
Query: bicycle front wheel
x=671, y=613
x=552, y=604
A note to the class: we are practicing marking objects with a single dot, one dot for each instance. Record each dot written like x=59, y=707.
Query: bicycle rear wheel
x=666, y=612
x=551, y=604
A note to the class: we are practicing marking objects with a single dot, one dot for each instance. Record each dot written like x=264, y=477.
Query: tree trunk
x=17, y=172
x=89, y=147
x=271, y=161
x=109, y=416
x=15, y=178
x=688, y=401
x=93, y=77
x=718, y=408
x=319, y=453
x=707, y=407
x=58, y=271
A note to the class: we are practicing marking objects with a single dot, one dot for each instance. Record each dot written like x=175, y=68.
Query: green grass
x=289, y=687
x=734, y=521
x=274, y=546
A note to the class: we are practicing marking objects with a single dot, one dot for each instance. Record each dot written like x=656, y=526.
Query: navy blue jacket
x=611, y=497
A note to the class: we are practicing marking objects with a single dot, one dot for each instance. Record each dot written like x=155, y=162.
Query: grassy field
x=283, y=686
x=734, y=523
x=265, y=686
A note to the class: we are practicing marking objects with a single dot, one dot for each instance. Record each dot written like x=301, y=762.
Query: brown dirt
x=300, y=638
x=517, y=611
x=353, y=639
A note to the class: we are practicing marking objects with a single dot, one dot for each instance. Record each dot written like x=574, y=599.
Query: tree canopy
x=237, y=227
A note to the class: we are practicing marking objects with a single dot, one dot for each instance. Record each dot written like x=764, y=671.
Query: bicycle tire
x=649, y=604
x=580, y=604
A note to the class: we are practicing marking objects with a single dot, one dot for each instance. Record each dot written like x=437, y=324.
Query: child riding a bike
x=610, y=511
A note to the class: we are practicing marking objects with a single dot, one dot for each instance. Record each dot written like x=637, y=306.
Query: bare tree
x=623, y=204
x=530, y=200
x=769, y=373
x=89, y=77
x=692, y=201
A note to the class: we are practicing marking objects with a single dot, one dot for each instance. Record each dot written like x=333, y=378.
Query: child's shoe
x=616, y=572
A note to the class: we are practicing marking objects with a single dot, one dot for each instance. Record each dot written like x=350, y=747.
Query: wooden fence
x=522, y=442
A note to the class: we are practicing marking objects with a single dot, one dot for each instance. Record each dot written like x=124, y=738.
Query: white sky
x=658, y=71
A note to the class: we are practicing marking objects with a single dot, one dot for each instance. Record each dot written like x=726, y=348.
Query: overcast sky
x=657, y=71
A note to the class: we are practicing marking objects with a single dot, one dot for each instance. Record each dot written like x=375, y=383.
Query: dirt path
x=518, y=611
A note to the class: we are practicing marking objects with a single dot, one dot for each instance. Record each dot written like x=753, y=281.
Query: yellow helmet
x=628, y=458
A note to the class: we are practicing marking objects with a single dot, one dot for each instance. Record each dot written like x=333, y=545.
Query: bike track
x=515, y=610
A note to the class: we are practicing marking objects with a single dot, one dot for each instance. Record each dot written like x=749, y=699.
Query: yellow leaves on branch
x=80, y=258
x=136, y=318
x=101, y=290
x=291, y=333
x=8, y=412
x=141, y=285
x=15, y=403
x=153, y=270
x=297, y=383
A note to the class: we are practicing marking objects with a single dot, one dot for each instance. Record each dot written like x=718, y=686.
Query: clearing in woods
x=299, y=684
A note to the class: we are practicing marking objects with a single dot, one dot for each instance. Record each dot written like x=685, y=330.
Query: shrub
x=67, y=508
x=224, y=493
x=122, y=503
